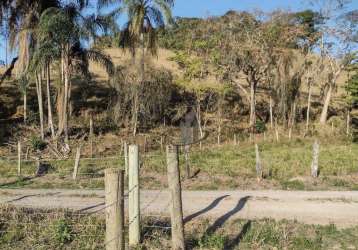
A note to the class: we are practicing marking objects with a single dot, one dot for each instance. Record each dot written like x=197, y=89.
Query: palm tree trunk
x=40, y=103
x=66, y=92
x=25, y=106
x=61, y=96
x=49, y=105
x=136, y=90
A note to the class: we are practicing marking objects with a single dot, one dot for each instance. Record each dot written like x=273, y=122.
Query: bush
x=260, y=126
x=62, y=231
x=37, y=143
x=212, y=241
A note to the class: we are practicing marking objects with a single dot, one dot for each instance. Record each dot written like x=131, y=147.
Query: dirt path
x=340, y=208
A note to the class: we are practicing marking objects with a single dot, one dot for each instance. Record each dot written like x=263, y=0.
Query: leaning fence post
x=258, y=163
x=133, y=196
x=19, y=158
x=125, y=152
x=77, y=162
x=314, y=165
x=176, y=211
x=114, y=190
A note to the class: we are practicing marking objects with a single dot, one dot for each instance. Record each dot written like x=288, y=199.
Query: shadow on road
x=205, y=210
x=31, y=195
x=220, y=221
x=91, y=207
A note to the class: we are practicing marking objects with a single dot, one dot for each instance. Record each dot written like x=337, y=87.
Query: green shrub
x=260, y=126
x=62, y=231
x=293, y=185
x=37, y=143
x=212, y=241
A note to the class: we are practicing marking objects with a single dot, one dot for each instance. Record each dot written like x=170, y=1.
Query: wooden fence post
x=114, y=190
x=19, y=158
x=314, y=165
x=125, y=152
x=77, y=163
x=133, y=199
x=176, y=210
x=258, y=163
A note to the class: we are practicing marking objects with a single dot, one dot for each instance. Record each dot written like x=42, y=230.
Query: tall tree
x=63, y=30
x=145, y=17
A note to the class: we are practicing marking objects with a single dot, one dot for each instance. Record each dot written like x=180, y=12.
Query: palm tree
x=62, y=30
x=145, y=17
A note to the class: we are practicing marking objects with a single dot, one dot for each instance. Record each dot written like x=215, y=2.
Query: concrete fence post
x=314, y=165
x=77, y=163
x=133, y=196
x=176, y=210
x=114, y=200
x=258, y=163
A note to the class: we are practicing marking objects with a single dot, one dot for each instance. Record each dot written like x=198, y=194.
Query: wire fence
x=70, y=226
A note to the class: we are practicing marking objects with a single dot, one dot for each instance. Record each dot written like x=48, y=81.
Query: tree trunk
x=49, y=105
x=198, y=117
x=40, y=103
x=348, y=122
x=219, y=122
x=271, y=113
x=25, y=106
x=136, y=98
x=66, y=94
x=327, y=100
x=308, y=106
x=61, y=97
x=135, y=111
x=62, y=100
x=252, y=104
x=293, y=117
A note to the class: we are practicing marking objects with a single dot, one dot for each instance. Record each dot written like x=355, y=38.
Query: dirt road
x=340, y=208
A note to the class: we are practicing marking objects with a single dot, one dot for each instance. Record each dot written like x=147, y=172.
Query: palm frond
x=102, y=59
x=166, y=8
x=105, y=3
x=156, y=15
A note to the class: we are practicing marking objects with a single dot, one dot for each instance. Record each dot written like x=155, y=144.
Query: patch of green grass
x=293, y=185
x=212, y=241
x=224, y=167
